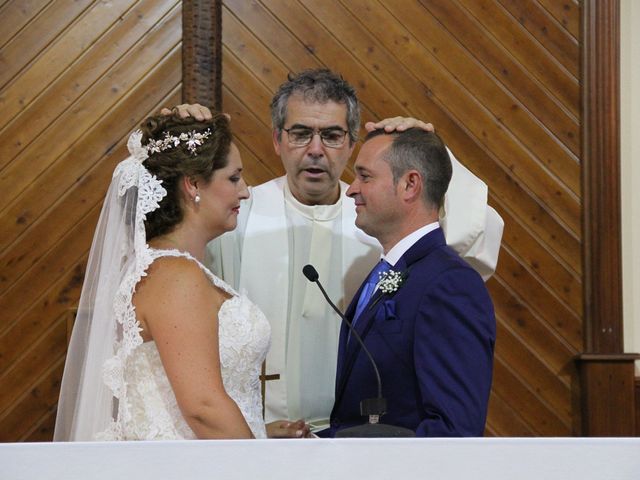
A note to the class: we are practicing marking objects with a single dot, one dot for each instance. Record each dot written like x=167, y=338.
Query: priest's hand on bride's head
x=195, y=110
x=287, y=429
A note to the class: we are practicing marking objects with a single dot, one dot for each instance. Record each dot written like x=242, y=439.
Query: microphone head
x=310, y=272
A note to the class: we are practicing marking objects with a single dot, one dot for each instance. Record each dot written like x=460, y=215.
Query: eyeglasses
x=330, y=137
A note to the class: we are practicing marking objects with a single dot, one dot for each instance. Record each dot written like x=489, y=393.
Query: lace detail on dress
x=150, y=192
x=113, y=383
x=147, y=405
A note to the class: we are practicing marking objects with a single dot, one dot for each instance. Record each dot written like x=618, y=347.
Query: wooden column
x=606, y=374
x=202, y=52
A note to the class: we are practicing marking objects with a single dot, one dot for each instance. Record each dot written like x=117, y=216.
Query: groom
x=429, y=323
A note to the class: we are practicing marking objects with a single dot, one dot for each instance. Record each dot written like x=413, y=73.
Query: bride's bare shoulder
x=172, y=272
x=175, y=283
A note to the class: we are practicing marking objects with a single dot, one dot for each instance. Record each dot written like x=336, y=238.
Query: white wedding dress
x=151, y=409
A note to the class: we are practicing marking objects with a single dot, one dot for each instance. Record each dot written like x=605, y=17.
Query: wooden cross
x=264, y=378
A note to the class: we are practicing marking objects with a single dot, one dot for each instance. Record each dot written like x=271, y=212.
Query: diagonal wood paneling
x=499, y=78
x=76, y=77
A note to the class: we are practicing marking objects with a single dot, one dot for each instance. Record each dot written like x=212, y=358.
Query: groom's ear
x=411, y=186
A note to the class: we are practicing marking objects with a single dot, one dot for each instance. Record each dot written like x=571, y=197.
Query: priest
x=305, y=218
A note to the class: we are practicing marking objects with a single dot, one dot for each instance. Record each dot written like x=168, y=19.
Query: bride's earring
x=196, y=199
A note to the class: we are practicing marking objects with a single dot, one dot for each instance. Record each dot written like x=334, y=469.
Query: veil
x=93, y=397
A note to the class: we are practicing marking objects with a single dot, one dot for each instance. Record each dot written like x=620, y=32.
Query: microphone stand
x=373, y=408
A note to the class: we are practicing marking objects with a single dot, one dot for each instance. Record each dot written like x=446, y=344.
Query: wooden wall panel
x=76, y=77
x=499, y=79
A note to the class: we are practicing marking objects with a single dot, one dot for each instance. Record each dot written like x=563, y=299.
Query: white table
x=356, y=459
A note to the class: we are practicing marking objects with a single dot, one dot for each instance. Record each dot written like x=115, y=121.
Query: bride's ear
x=190, y=187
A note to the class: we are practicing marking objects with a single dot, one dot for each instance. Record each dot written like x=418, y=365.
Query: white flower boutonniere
x=391, y=281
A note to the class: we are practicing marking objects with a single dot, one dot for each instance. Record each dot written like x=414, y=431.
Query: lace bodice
x=151, y=408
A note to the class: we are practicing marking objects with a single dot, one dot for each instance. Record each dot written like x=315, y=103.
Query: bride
x=161, y=348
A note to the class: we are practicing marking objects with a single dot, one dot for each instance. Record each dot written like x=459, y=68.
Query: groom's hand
x=287, y=429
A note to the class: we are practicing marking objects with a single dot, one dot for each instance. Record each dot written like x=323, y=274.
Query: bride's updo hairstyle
x=183, y=158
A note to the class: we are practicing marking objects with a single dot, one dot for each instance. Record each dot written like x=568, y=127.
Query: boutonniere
x=391, y=281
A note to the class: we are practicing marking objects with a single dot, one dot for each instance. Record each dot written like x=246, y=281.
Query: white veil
x=93, y=392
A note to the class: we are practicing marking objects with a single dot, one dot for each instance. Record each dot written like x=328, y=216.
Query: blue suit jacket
x=433, y=342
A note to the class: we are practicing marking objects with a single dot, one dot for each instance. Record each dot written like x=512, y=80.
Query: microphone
x=374, y=408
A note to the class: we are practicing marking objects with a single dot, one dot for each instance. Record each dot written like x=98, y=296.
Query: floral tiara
x=192, y=138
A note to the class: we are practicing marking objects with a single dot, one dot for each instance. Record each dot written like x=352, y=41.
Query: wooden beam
x=602, y=255
x=606, y=373
x=202, y=52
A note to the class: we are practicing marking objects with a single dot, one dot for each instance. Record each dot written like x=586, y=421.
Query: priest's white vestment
x=277, y=236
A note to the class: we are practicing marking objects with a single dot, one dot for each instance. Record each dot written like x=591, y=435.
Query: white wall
x=630, y=170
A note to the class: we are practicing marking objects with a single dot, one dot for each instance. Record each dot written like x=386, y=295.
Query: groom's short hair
x=417, y=149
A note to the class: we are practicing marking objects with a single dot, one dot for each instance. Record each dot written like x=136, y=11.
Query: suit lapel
x=348, y=351
x=344, y=337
